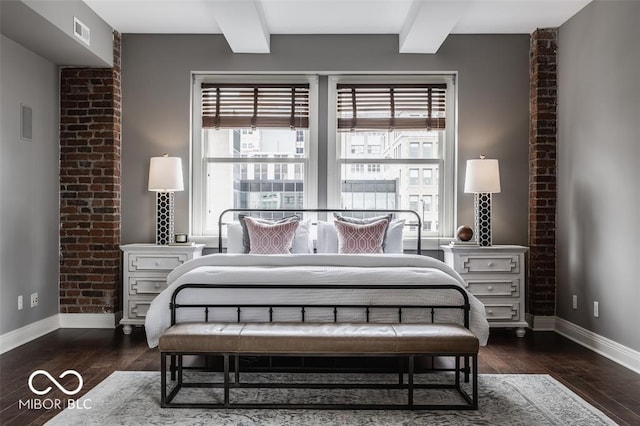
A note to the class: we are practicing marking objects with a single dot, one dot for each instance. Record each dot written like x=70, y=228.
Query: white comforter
x=335, y=269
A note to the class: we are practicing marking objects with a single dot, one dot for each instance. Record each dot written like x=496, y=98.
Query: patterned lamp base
x=164, y=218
x=482, y=218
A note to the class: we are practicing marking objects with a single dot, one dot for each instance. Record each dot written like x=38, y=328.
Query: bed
x=315, y=268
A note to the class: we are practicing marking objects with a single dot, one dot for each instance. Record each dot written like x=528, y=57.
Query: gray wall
x=598, y=170
x=29, y=186
x=46, y=28
x=493, y=106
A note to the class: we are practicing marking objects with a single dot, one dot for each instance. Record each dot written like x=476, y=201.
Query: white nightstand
x=144, y=275
x=495, y=275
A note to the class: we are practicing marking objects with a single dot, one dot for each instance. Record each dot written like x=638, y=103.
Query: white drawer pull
x=490, y=264
x=157, y=285
x=490, y=288
x=157, y=263
x=489, y=312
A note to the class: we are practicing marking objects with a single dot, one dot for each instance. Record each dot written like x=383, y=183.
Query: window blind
x=235, y=106
x=391, y=106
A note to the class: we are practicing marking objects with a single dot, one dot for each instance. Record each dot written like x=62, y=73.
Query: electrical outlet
x=34, y=300
x=596, y=310
x=20, y=304
x=575, y=301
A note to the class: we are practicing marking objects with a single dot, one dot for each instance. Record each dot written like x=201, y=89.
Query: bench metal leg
x=410, y=386
x=226, y=380
x=163, y=380
x=475, y=381
x=237, y=368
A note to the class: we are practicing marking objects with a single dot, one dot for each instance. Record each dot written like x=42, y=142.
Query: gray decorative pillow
x=246, y=241
x=367, y=221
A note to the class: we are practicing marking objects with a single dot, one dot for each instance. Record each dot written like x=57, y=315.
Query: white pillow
x=327, y=241
x=234, y=238
x=394, y=243
x=302, y=242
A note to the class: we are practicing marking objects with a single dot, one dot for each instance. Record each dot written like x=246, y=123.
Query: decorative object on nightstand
x=464, y=233
x=165, y=177
x=482, y=179
x=495, y=275
x=144, y=275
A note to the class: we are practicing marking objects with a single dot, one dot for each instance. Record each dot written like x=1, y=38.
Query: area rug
x=132, y=398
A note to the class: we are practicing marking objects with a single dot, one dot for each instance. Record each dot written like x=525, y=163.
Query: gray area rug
x=132, y=398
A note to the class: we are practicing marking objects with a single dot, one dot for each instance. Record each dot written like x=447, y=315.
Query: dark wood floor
x=95, y=354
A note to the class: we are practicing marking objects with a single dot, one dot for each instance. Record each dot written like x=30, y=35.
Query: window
x=427, y=177
x=390, y=145
x=414, y=149
x=252, y=146
x=357, y=168
x=412, y=121
x=427, y=150
x=413, y=202
x=373, y=168
x=427, y=202
x=413, y=177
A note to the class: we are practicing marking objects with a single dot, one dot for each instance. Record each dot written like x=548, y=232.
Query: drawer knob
x=489, y=312
x=490, y=288
x=490, y=264
x=157, y=263
x=157, y=285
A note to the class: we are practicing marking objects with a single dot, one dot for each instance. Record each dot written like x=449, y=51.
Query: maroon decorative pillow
x=270, y=238
x=357, y=238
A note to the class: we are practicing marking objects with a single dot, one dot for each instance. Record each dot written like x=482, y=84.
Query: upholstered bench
x=408, y=340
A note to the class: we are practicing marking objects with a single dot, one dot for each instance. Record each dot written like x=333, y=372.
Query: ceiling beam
x=243, y=25
x=428, y=24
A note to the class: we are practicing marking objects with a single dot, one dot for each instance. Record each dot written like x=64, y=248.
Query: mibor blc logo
x=55, y=382
x=58, y=404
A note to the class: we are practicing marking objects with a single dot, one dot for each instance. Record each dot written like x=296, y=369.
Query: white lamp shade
x=165, y=174
x=483, y=175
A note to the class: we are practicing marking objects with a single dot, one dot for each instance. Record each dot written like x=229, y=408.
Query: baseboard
x=87, y=321
x=616, y=352
x=25, y=334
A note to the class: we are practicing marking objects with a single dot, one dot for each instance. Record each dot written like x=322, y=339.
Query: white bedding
x=335, y=269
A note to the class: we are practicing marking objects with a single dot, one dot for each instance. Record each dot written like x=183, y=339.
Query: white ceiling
x=422, y=25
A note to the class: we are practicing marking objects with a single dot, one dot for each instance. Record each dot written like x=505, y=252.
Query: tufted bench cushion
x=318, y=338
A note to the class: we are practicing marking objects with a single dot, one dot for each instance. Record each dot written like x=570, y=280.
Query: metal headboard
x=417, y=223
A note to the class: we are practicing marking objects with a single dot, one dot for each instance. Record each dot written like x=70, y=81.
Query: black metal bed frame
x=417, y=223
x=471, y=402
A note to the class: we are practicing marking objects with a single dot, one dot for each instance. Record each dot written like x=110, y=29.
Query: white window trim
x=447, y=217
x=197, y=163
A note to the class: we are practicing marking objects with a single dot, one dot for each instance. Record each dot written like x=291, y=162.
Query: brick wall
x=542, y=172
x=90, y=187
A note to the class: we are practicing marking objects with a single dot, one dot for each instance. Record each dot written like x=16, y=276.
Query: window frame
x=198, y=162
x=447, y=158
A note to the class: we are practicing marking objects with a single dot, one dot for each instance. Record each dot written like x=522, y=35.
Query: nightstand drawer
x=156, y=262
x=137, y=308
x=147, y=285
x=495, y=287
x=489, y=263
x=502, y=312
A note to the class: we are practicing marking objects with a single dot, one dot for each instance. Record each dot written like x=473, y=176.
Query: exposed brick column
x=90, y=187
x=542, y=171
